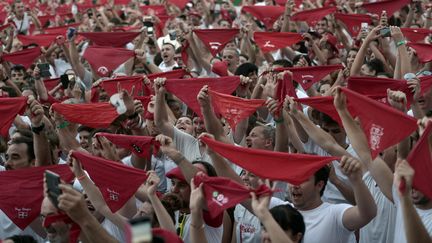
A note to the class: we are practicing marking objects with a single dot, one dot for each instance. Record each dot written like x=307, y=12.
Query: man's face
x=16, y=157
x=419, y=198
x=250, y=179
x=185, y=124
x=231, y=57
x=84, y=138
x=19, y=9
x=305, y=194
x=167, y=53
x=335, y=131
x=256, y=139
x=182, y=190
x=321, y=26
x=57, y=232
x=17, y=77
x=425, y=101
x=198, y=125
x=225, y=25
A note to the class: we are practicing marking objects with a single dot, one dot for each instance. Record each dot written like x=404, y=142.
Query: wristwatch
x=38, y=129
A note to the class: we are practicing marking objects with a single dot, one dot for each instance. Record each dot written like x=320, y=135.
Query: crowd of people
x=215, y=121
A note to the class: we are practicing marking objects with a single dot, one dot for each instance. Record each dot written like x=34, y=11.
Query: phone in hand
x=64, y=79
x=53, y=181
x=385, y=32
x=141, y=230
x=70, y=32
x=44, y=70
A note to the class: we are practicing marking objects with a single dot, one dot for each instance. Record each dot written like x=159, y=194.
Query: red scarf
x=74, y=231
x=117, y=182
x=110, y=39
x=416, y=35
x=139, y=145
x=41, y=40
x=353, y=22
x=266, y=14
x=51, y=83
x=423, y=51
x=234, y=109
x=174, y=74
x=216, y=39
x=104, y=60
x=181, y=4
x=187, y=89
x=22, y=192
x=285, y=87
x=307, y=76
x=270, y=41
x=95, y=115
x=127, y=82
x=421, y=161
x=220, y=68
x=10, y=108
x=314, y=15
x=222, y=193
x=25, y=57
x=60, y=30
x=293, y=168
x=391, y=6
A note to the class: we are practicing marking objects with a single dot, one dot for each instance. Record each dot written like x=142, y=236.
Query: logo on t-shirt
x=219, y=198
x=22, y=213
x=113, y=195
x=376, y=132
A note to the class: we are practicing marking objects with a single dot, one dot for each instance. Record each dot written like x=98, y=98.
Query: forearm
x=197, y=227
x=293, y=135
x=281, y=143
x=358, y=61
x=404, y=60
x=223, y=169
x=346, y=191
x=186, y=167
x=240, y=130
x=140, y=163
x=212, y=123
x=414, y=228
x=94, y=231
x=161, y=115
x=162, y=215
x=365, y=209
x=42, y=149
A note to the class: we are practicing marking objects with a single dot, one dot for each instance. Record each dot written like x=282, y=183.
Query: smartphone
x=150, y=31
x=141, y=230
x=44, y=70
x=64, y=79
x=385, y=32
x=172, y=34
x=118, y=103
x=70, y=32
x=364, y=27
x=53, y=181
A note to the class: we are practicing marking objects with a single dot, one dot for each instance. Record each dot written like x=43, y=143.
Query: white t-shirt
x=425, y=216
x=158, y=166
x=324, y=224
x=22, y=26
x=248, y=228
x=8, y=228
x=189, y=146
x=213, y=235
x=164, y=68
x=381, y=228
x=113, y=230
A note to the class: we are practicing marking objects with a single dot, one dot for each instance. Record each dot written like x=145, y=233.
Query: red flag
x=41, y=40
x=9, y=109
x=390, y=6
x=110, y=85
x=220, y=68
x=216, y=39
x=307, y=76
x=379, y=122
x=22, y=192
x=25, y=57
x=416, y=34
x=139, y=145
x=285, y=87
x=157, y=9
x=234, y=109
x=222, y=193
x=353, y=22
x=421, y=161
x=266, y=14
x=104, y=60
x=293, y=168
x=423, y=51
x=188, y=89
x=74, y=230
x=270, y=41
x=60, y=30
x=174, y=74
x=51, y=83
x=95, y=115
x=117, y=182
x=322, y=104
x=314, y=15
x=181, y=4
x=110, y=39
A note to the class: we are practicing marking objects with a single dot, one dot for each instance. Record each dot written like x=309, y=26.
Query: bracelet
x=196, y=227
x=38, y=129
x=133, y=116
x=400, y=43
x=280, y=120
x=63, y=125
x=81, y=177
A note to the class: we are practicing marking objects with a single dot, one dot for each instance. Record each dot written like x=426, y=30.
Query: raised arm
x=196, y=206
x=359, y=59
x=161, y=113
x=41, y=144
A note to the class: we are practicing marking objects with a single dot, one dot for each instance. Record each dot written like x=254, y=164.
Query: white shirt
x=164, y=68
x=189, y=146
x=381, y=228
x=324, y=224
x=425, y=216
x=8, y=228
x=213, y=235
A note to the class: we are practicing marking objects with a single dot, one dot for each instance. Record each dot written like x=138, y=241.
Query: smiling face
x=185, y=124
